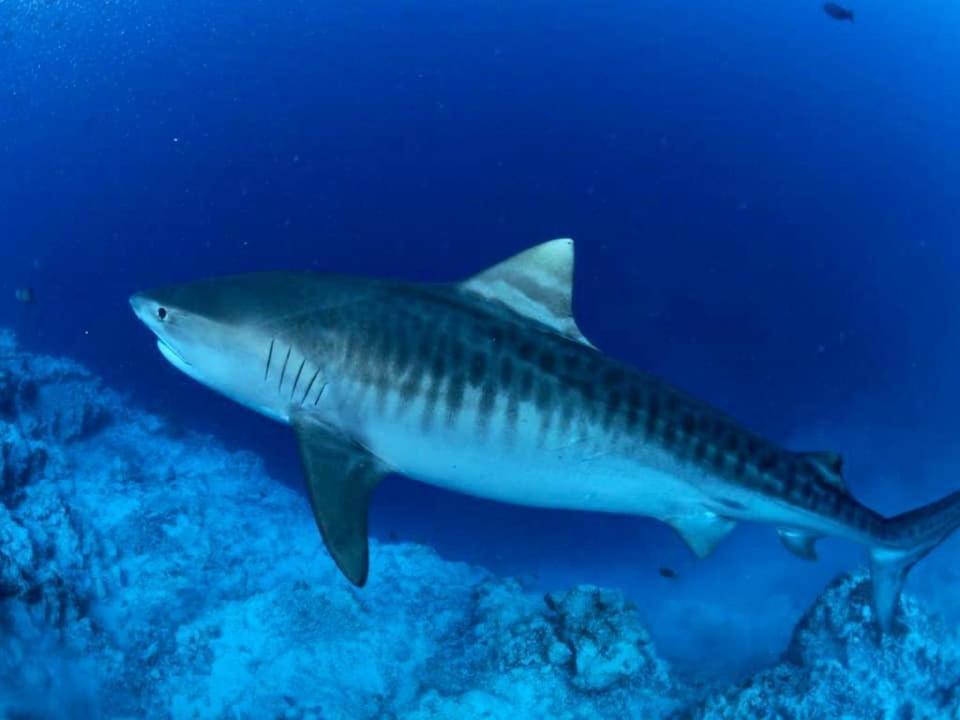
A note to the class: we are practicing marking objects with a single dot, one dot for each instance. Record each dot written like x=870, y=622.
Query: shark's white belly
x=578, y=469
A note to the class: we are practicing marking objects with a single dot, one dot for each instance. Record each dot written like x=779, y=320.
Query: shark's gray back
x=448, y=354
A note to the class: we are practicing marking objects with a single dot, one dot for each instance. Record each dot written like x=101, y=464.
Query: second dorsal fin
x=537, y=283
x=828, y=464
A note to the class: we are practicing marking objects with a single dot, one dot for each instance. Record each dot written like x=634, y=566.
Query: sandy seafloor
x=150, y=573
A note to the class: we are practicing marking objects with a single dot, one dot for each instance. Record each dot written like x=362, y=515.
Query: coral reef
x=144, y=574
x=838, y=665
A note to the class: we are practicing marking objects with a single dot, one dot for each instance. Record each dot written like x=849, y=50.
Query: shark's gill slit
x=266, y=372
x=284, y=370
x=297, y=378
x=306, y=393
x=319, y=394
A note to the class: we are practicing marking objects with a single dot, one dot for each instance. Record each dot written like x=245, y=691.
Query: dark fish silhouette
x=668, y=573
x=25, y=295
x=837, y=12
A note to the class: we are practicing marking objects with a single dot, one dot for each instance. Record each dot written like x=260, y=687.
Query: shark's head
x=221, y=332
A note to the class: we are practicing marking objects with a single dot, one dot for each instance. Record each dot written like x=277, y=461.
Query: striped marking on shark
x=488, y=387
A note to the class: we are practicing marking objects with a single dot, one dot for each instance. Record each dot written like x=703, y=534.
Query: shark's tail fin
x=906, y=539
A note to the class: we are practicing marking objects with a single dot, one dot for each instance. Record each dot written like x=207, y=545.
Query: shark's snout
x=142, y=307
x=156, y=317
x=150, y=312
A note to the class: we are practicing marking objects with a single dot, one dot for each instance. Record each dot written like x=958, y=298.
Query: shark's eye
x=162, y=313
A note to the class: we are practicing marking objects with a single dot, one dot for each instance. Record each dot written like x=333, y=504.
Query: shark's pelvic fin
x=341, y=476
x=802, y=544
x=537, y=283
x=703, y=531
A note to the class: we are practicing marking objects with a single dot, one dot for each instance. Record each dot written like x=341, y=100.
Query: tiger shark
x=487, y=387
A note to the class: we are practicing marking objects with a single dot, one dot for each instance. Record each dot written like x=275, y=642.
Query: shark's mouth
x=172, y=356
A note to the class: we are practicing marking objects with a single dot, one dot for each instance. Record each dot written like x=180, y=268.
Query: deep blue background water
x=766, y=206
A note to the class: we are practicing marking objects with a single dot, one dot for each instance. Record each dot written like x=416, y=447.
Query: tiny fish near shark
x=837, y=12
x=488, y=387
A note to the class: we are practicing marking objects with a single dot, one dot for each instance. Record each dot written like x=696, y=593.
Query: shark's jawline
x=172, y=356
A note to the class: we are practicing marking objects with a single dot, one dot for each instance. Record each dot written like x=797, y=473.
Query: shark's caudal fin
x=908, y=538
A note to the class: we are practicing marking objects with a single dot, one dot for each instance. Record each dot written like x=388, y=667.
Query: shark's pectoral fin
x=802, y=544
x=341, y=476
x=702, y=531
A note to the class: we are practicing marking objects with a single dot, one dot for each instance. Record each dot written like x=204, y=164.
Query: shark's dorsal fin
x=829, y=465
x=703, y=531
x=537, y=283
x=341, y=476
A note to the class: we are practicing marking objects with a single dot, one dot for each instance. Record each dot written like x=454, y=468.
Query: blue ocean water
x=765, y=203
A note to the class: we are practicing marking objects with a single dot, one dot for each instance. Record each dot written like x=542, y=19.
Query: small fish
x=838, y=12
x=668, y=573
x=25, y=295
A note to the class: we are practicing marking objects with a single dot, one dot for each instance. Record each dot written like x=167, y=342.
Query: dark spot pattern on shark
x=478, y=367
